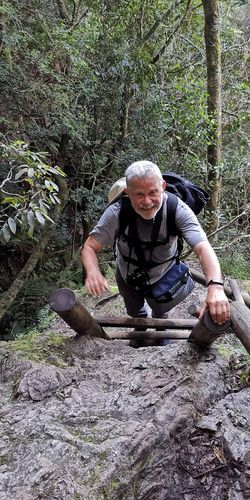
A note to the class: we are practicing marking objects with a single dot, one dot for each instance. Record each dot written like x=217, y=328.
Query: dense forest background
x=89, y=87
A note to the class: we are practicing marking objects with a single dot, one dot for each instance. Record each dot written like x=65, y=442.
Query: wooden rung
x=164, y=334
x=147, y=322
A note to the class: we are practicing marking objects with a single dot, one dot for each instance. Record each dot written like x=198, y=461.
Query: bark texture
x=213, y=56
x=241, y=323
x=206, y=331
x=146, y=322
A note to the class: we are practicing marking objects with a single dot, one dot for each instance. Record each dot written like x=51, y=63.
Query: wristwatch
x=214, y=282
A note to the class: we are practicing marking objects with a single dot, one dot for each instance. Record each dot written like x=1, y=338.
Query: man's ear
x=163, y=185
x=125, y=191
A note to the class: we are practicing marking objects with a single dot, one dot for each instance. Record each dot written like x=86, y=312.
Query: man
x=136, y=276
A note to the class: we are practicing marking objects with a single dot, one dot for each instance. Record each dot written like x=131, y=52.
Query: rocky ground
x=94, y=419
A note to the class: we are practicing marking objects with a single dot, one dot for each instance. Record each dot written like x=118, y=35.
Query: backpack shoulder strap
x=171, y=226
x=126, y=215
x=172, y=203
x=127, y=219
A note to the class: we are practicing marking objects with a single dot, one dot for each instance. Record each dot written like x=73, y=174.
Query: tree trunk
x=213, y=55
x=62, y=10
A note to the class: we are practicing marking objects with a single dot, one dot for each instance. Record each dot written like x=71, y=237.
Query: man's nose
x=147, y=200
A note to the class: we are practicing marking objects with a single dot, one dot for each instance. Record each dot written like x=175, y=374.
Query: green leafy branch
x=28, y=192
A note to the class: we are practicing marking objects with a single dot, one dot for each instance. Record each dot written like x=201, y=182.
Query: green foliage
x=39, y=344
x=242, y=2
x=94, y=201
x=44, y=318
x=28, y=192
x=235, y=60
x=236, y=266
x=178, y=126
x=101, y=86
x=71, y=278
x=30, y=305
x=5, y=459
x=74, y=76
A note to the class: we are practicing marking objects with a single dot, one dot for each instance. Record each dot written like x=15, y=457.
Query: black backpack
x=177, y=187
x=194, y=196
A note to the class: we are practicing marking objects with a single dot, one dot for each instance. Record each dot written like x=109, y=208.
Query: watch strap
x=214, y=282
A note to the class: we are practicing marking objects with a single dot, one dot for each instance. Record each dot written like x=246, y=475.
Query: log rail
x=202, y=332
x=200, y=278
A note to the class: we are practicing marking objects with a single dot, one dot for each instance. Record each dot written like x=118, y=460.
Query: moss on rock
x=49, y=347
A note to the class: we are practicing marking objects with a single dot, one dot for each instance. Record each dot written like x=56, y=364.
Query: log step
x=146, y=322
x=164, y=334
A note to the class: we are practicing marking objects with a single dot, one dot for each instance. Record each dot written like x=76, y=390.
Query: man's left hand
x=217, y=303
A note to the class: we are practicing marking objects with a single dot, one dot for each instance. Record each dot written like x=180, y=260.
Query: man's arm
x=216, y=300
x=95, y=282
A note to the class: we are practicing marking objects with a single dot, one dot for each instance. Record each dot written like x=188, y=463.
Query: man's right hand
x=96, y=283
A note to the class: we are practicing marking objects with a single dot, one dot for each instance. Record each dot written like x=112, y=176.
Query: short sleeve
x=188, y=224
x=106, y=229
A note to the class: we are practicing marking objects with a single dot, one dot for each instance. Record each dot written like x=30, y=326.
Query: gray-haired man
x=145, y=188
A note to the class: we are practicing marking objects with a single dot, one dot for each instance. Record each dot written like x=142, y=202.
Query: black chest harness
x=128, y=233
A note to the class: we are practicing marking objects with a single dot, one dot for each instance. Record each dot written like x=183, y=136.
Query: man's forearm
x=95, y=282
x=209, y=261
x=216, y=300
x=89, y=260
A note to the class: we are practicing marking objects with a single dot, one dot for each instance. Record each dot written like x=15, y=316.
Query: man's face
x=146, y=195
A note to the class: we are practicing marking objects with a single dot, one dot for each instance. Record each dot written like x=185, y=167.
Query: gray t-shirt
x=106, y=230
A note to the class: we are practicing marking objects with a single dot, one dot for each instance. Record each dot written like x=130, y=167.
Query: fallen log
x=146, y=322
x=206, y=331
x=106, y=299
x=200, y=278
x=64, y=302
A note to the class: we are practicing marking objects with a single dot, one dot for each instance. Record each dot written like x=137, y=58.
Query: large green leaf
x=12, y=224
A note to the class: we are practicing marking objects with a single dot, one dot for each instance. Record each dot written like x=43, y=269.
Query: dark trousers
x=138, y=306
